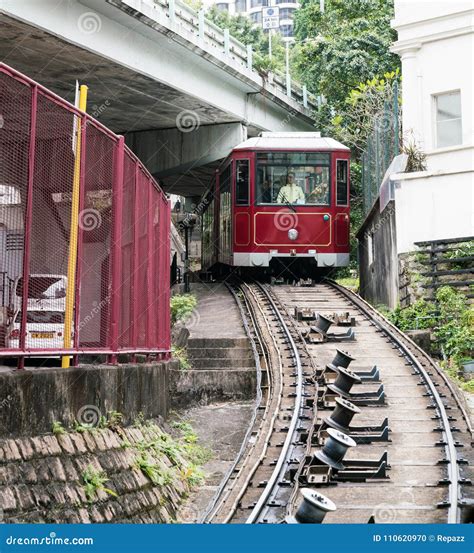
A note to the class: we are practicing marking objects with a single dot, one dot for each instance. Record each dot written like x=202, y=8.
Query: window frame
x=310, y=205
x=337, y=204
x=236, y=162
x=435, y=97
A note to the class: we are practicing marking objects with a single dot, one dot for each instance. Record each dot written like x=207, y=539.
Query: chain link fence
x=383, y=144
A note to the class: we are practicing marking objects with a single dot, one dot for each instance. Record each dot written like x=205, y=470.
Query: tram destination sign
x=271, y=18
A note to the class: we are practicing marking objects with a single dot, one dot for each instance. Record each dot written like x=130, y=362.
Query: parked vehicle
x=45, y=292
x=44, y=330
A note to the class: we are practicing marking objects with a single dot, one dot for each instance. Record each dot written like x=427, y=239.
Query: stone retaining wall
x=42, y=478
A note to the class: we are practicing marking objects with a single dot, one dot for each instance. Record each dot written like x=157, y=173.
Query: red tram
x=280, y=199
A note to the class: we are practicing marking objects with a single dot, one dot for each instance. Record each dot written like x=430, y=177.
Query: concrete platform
x=216, y=314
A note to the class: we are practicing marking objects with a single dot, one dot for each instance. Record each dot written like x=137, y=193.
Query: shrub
x=455, y=329
x=419, y=315
x=182, y=305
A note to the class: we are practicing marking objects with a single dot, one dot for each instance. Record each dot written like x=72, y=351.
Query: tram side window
x=242, y=172
x=341, y=182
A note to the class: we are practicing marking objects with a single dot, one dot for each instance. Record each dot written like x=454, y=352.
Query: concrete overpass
x=182, y=90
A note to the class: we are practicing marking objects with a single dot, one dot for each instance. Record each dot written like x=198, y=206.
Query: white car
x=45, y=292
x=44, y=330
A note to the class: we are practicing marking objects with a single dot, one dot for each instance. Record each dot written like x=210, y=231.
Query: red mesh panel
x=126, y=274
x=141, y=272
x=15, y=109
x=141, y=265
x=95, y=221
x=50, y=224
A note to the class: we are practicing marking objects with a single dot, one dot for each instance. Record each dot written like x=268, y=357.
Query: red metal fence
x=122, y=273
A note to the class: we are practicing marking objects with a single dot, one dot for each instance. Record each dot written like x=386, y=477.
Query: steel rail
x=276, y=474
x=454, y=511
x=273, y=418
x=217, y=498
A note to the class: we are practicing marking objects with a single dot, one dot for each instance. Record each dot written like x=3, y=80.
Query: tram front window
x=293, y=178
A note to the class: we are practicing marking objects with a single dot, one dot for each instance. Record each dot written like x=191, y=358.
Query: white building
x=436, y=47
x=253, y=9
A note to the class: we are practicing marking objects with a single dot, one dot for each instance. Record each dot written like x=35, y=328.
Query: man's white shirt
x=290, y=193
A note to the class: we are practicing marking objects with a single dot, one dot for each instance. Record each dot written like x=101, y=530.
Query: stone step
x=221, y=363
x=213, y=353
x=218, y=342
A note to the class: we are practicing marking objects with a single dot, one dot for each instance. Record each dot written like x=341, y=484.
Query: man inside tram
x=291, y=192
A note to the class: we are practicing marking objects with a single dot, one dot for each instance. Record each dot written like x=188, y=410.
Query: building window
x=448, y=119
x=223, y=7
x=256, y=17
x=286, y=30
x=286, y=13
x=258, y=3
x=241, y=6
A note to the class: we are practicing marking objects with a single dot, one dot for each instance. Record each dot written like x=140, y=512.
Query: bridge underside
x=181, y=133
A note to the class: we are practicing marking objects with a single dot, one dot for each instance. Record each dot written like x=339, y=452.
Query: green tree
x=347, y=44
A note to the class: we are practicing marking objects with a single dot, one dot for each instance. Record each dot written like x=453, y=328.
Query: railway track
x=385, y=440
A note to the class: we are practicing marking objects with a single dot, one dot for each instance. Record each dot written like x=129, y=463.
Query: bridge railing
x=181, y=16
x=52, y=154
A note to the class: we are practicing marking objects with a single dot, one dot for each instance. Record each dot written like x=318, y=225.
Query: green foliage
x=196, y=5
x=455, y=327
x=348, y=43
x=452, y=322
x=349, y=282
x=181, y=355
x=157, y=473
x=367, y=104
x=416, y=157
x=184, y=452
x=182, y=305
x=114, y=420
x=58, y=428
x=463, y=250
x=93, y=481
x=419, y=315
x=242, y=28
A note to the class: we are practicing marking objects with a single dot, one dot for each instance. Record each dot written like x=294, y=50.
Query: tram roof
x=291, y=141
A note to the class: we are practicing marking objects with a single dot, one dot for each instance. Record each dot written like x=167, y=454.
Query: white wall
x=432, y=206
x=436, y=46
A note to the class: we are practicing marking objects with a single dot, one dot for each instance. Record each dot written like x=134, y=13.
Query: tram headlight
x=292, y=234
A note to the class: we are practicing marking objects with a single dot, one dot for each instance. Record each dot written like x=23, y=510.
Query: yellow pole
x=72, y=260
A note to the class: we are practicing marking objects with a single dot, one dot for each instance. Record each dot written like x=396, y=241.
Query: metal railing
x=184, y=20
x=121, y=282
